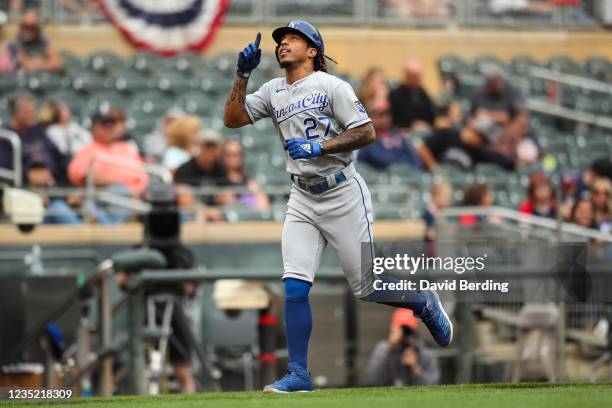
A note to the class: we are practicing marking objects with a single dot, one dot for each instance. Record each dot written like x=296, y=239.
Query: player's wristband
x=320, y=148
x=243, y=74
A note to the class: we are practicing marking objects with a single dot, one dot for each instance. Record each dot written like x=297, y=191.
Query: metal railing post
x=136, y=363
x=17, y=172
x=106, y=321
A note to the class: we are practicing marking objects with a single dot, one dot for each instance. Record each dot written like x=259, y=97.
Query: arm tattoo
x=349, y=140
x=238, y=92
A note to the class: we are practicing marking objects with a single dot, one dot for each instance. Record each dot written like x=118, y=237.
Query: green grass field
x=455, y=396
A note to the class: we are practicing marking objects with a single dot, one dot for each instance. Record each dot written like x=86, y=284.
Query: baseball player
x=320, y=123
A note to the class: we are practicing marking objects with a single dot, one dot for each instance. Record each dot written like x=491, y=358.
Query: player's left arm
x=349, y=140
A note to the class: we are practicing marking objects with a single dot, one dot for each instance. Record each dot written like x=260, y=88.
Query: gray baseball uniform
x=320, y=107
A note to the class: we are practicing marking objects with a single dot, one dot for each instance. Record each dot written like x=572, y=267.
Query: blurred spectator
x=582, y=212
x=497, y=99
x=32, y=51
x=540, y=197
x=568, y=196
x=57, y=209
x=600, y=168
x=155, y=142
x=410, y=104
x=182, y=140
x=449, y=115
x=119, y=162
x=476, y=195
x=402, y=359
x=121, y=129
x=69, y=136
x=203, y=170
x=601, y=196
x=235, y=176
x=463, y=148
x=516, y=141
x=441, y=198
x=390, y=146
x=373, y=87
x=419, y=8
x=7, y=64
x=34, y=142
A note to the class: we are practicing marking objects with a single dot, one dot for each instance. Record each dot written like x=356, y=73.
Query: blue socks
x=298, y=320
x=408, y=299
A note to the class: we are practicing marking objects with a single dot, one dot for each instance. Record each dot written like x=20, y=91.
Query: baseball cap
x=493, y=71
x=103, y=115
x=208, y=136
x=404, y=317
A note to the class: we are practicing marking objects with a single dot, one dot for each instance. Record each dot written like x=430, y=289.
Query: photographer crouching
x=402, y=359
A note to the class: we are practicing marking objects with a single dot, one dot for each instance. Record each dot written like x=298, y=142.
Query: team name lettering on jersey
x=315, y=100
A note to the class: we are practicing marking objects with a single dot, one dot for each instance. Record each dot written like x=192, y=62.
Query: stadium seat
x=130, y=83
x=452, y=65
x=108, y=99
x=521, y=64
x=69, y=97
x=196, y=102
x=487, y=59
x=147, y=63
x=8, y=84
x=44, y=82
x=71, y=63
x=152, y=102
x=598, y=68
x=172, y=83
x=564, y=64
x=106, y=62
x=90, y=83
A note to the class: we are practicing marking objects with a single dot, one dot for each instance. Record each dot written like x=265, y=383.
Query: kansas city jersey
x=317, y=108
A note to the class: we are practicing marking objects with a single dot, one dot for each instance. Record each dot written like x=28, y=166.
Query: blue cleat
x=436, y=319
x=296, y=380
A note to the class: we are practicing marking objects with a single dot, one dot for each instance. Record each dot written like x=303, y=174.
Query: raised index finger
x=257, y=40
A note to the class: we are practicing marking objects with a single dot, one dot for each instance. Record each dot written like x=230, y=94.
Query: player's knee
x=296, y=289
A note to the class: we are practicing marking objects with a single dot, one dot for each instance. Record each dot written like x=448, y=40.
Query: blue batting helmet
x=305, y=29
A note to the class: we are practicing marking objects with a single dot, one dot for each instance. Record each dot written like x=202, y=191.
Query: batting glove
x=249, y=58
x=303, y=149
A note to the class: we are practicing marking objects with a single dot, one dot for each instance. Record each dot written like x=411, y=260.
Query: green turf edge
x=321, y=393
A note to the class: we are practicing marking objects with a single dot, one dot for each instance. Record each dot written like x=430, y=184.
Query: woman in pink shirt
x=114, y=161
x=116, y=165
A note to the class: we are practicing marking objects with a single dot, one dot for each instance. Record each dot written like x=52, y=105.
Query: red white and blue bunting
x=166, y=27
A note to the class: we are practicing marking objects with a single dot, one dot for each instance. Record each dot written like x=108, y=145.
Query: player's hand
x=249, y=58
x=303, y=149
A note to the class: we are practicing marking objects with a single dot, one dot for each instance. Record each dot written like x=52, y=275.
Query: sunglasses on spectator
x=107, y=122
x=603, y=192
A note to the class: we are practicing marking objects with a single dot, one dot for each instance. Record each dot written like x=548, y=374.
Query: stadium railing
x=14, y=174
x=503, y=226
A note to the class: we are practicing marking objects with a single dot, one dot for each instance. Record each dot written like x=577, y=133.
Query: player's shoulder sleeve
x=258, y=104
x=346, y=107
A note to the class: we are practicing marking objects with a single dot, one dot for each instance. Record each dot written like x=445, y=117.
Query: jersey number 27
x=312, y=124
